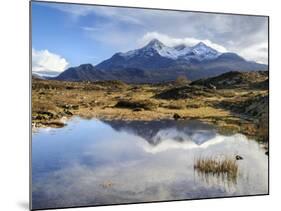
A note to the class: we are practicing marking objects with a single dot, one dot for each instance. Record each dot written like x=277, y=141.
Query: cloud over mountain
x=173, y=41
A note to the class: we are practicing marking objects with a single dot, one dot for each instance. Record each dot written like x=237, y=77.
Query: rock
x=47, y=113
x=67, y=112
x=86, y=105
x=75, y=107
x=59, y=115
x=43, y=115
x=66, y=106
x=238, y=157
x=138, y=109
x=69, y=106
x=211, y=86
x=55, y=124
x=176, y=116
x=69, y=87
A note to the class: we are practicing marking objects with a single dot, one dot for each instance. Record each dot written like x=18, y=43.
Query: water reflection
x=91, y=162
x=219, y=180
x=156, y=131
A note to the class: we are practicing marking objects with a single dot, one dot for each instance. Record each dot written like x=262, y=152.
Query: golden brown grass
x=99, y=100
x=217, y=166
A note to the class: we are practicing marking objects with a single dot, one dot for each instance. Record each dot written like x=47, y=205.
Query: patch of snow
x=199, y=52
x=129, y=53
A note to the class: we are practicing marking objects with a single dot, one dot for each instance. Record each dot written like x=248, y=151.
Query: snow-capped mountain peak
x=154, y=47
x=199, y=51
x=154, y=43
x=200, y=44
x=202, y=48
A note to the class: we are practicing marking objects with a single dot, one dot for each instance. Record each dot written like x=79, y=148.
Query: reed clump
x=217, y=166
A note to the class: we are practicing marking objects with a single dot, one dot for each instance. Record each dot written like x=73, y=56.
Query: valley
x=233, y=102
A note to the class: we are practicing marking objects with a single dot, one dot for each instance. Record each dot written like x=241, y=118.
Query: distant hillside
x=85, y=72
x=209, y=87
x=233, y=79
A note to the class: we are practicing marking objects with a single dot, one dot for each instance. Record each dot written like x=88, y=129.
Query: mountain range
x=156, y=62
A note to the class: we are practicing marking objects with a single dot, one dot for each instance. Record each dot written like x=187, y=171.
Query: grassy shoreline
x=53, y=102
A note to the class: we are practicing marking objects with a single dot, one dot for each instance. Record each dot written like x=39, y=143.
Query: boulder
x=138, y=109
x=56, y=124
x=67, y=112
x=75, y=107
x=176, y=116
x=47, y=113
x=238, y=157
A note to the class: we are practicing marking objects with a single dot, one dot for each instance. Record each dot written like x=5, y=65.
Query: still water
x=94, y=162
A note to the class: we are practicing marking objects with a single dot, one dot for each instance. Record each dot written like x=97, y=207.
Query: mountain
x=37, y=76
x=84, y=72
x=156, y=62
x=156, y=55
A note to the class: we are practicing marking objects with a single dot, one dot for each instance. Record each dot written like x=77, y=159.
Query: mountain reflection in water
x=93, y=162
x=156, y=131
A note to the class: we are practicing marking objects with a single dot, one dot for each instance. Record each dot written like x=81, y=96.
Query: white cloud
x=120, y=28
x=117, y=14
x=91, y=29
x=172, y=41
x=73, y=9
x=257, y=52
x=44, y=60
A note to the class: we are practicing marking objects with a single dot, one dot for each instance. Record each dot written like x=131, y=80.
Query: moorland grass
x=217, y=166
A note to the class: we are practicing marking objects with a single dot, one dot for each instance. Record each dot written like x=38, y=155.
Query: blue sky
x=62, y=33
x=65, y=35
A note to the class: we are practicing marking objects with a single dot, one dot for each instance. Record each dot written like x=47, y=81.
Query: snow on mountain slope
x=152, y=48
x=203, y=51
x=199, y=52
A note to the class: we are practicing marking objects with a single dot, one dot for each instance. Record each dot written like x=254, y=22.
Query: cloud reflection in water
x=91, y=162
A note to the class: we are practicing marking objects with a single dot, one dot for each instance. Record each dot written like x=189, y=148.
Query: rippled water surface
x=93, y=162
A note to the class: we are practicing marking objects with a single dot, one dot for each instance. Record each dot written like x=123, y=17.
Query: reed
x=217, y=166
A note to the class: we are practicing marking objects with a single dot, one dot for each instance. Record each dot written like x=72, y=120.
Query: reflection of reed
x=217, y=170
